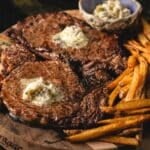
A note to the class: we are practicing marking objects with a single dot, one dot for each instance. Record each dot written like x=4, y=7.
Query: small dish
x=87, y=7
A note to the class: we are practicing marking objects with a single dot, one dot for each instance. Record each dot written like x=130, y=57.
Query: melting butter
x=40, y=93
x=71, y=36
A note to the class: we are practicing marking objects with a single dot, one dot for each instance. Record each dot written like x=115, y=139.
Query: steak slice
x=73, y=110
x=102, y=50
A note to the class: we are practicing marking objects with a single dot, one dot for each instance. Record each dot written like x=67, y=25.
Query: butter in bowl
x=110, y=15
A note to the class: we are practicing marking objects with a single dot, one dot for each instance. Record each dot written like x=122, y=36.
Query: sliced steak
x=102, y=49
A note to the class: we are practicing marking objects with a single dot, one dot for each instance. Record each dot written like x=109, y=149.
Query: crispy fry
x=123, y=91
x=126, y=80
x=107, y=129
x=143, y=40
x=113, y=95
x=134, y=84
x=143, y=74
x=121, y=140
x=113, y=120
x=137, y=46
x=146, y=28
x=114, y=83
x=146, y=56
x=130, y=131
x=138, y=111
x=125, y=106
x=132, y=50
x=132, y=61
x=132, y=105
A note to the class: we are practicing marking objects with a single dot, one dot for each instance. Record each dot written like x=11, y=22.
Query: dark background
x=13, y=10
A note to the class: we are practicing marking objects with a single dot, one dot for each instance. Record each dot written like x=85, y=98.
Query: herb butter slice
x=71, y=36
x=40, y=93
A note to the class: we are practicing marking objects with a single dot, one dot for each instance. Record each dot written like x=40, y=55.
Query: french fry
x=143, y=74
x=138, y=111
x=126, y=80
x=123, y=91
x=130, y=131
x=132, y=61
x=137, y=46
x=146, y=28
x=134, y=84
x=132, y=105
x=132, y=50
x=121, y=140
x=114, y=83
x=107, y=129
x=143, y=40
x=113, y=95
x=113, y=120
x=146, y=56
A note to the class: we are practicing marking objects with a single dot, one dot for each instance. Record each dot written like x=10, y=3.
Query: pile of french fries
x=127, y=104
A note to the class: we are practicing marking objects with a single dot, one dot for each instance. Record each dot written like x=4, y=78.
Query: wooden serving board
x=17, y=136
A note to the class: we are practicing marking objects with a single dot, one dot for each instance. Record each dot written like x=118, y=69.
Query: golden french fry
x=113, y=95
x=123, y=91
x=113, y=120
x=130, y=131
x=138, y=111
x=132, y=50
x=107, y=129
x=132, y=105
x=143, y=40
x=142, y=76
x=146, y=28
x=114, y=83
x=134, y=84
x=133, y=46
x=132, y=61
x=121, y=140
x=126, y=80
x=146, y=56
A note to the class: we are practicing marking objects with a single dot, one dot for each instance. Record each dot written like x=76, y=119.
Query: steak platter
x=56, y=72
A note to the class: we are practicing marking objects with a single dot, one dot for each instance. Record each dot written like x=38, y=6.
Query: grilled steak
x=66, y=88
x=67, y=110
x=41, y=35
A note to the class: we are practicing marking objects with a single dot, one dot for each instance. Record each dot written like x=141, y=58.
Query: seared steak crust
x=60, y=75
x=14, y=56
x=102, y=49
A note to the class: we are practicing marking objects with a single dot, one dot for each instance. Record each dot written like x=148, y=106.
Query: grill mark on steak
x=103, y=50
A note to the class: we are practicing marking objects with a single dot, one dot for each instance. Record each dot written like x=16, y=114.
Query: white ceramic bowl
x=87, y=7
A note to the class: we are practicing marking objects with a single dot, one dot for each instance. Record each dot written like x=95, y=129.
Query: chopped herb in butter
x=111, y=10
x=40, y=93
x=71, y=36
